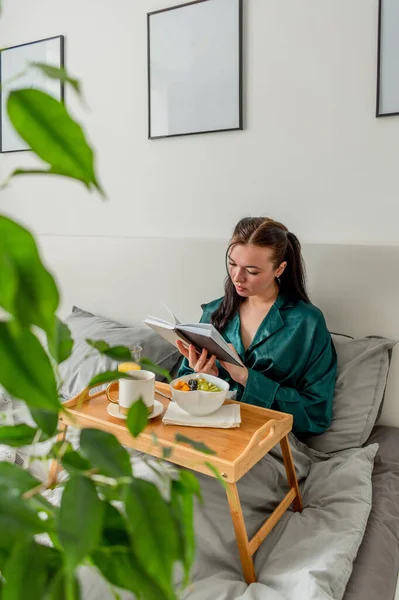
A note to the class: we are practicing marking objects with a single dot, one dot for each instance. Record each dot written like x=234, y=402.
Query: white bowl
x=199, y=402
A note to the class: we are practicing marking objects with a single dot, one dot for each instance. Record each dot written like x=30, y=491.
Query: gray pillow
x=85, y=362
x=363, y=366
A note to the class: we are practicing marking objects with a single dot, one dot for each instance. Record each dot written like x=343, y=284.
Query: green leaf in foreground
x=46, y=420
x=59, y=449
x=60, y=343
x=80, y=520
x=201, y=447
x=107, y=377
x=153, y=532
x=17, y=435
x=74, y=461
x=60, y=74
x=25, y=369
x=191, y=483
x=183, y=510
x=8, y=280
x=114, y=527
x=17, y=518
x=25, y=572
x=17, y=478
x=58, y=586
x=218, y=476
x=148, y=365
x=115, y=352
x=167, y=452
x=119, y=566
x=45, y=125
x=71, y=459
x=27, y=290
x=137, y=418
x=105, y=453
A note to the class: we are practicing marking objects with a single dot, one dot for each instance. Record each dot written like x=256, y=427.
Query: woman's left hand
x=239, y=374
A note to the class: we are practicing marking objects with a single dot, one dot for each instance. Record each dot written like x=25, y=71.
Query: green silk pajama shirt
x=291, y=363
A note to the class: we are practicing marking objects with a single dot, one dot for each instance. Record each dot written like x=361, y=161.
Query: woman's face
x=251, y=269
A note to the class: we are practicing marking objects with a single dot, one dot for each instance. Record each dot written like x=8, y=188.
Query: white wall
x=312, y=154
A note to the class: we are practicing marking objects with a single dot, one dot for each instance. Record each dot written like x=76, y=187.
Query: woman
x=282, y=339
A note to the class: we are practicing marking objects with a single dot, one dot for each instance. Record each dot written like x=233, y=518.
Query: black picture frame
x=187, y=5
x=62, y=86
x=378, y=110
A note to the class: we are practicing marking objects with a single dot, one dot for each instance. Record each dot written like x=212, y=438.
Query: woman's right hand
x=200, y=363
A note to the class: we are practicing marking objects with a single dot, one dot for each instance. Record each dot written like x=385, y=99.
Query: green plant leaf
x=27, y=290
x=18, y=520
x=45, y=125
x=71, y=459
x=8, y=280
x=147, y=364
x=190, y=482
x=105, y=453
x=80, y=520
x=153, y=531
x=167, y=452
x=60, y=447
x=59, y=74
x=119, y=566
x=60, y=344
x=40, y=504
x=74, y=461
x=218, y=476
x=53, y=559
x=196, y=445
x=23, y=582
x=18, y=435
x=4, y=556
x=137, y=418
x=46, y=420
x=183, y=511
x=17, y=478
x=107, y=377
x=115, y=352
x=57, y=588
x=114, y=528
x=25, y=572
x=25, y=369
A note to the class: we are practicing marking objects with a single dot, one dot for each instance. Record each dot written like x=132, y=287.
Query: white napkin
x=226, y=417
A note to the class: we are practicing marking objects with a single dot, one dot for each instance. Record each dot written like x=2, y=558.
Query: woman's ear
x=281, y=269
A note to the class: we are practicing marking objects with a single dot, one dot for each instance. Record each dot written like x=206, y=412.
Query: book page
x=156, y=321
x=175, y=319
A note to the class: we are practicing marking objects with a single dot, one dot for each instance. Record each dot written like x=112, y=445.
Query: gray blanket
x=307, y=556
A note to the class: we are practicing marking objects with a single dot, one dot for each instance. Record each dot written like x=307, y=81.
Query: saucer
x=113, y=410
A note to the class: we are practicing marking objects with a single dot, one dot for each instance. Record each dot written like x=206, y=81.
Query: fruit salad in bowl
x=199, y=393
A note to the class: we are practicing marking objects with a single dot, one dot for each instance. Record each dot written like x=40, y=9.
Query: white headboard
x=357, y=287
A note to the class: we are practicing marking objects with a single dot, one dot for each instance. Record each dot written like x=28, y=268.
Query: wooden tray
x=237, y=450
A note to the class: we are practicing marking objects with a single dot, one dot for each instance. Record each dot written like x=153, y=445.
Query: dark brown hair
x=266, y=233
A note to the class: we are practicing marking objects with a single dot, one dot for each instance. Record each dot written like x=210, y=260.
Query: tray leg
x=55, y=466
x=241, y=533
x=291, y=474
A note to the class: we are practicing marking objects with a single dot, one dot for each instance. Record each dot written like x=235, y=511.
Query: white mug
x=141, y=386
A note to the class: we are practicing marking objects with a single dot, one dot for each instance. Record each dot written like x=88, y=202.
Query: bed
x=125, y=279
x=377, y=561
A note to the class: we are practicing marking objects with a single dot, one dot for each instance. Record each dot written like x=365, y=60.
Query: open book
x=201, y=335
